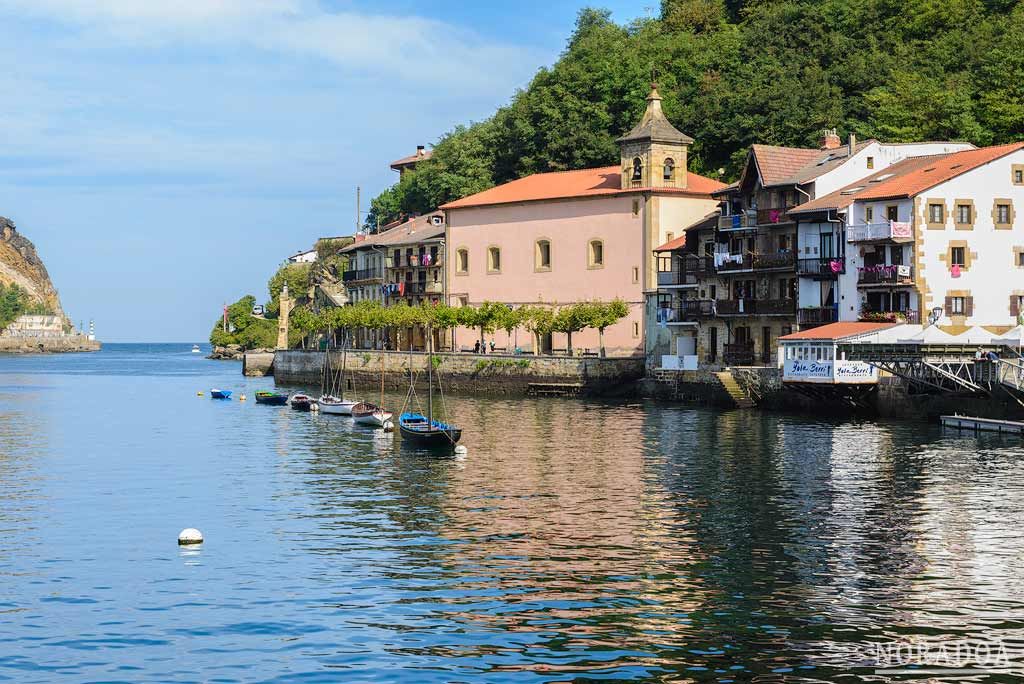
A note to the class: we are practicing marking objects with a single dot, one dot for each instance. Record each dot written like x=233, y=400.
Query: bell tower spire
x=654, y=153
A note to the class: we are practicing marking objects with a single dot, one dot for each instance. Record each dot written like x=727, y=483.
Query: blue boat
x=431, y=434
x=220, y=394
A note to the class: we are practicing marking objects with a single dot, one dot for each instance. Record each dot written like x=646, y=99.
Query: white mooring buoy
x=190, y=536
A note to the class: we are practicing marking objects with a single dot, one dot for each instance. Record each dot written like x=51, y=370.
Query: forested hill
x=738, y=72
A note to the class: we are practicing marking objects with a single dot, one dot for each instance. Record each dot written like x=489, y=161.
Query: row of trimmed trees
x=487, y=318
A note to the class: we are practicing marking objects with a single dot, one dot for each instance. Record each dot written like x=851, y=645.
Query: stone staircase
x=739, y=396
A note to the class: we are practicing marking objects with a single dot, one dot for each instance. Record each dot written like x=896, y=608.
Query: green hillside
x=735, y=73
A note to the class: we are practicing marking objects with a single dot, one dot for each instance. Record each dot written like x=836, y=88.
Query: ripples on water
x=576, y=540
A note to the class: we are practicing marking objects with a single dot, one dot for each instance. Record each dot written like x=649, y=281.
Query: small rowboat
x=301, y=402
x=335, y=406
x=271, y=398
x=365, y=413
x=220, y=394
x=425, y=434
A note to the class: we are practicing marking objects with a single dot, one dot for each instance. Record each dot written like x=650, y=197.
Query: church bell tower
x=654, y=153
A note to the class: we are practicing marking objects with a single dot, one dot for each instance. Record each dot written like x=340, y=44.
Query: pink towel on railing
x=774, y=215
x=900, y=229
x=955, y=271
x=836, y=265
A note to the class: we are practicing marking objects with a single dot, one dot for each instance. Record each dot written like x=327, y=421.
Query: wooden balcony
x=817, y=315
x=756, y=307
x=695, y=310
x=771, y=217
x=687, y=271
x=738, y=353
x=362, y=274
x=743, y=221
x=889, y=231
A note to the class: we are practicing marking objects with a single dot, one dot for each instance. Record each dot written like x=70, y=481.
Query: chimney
x=853, y=143
x=419, y=150
x=830, y=139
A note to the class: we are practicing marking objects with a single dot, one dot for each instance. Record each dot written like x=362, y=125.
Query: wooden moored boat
x=301, y=402
x=220, y=394
x=365, y=413
x=271, y=398
x=329, y=402
x=423, y=431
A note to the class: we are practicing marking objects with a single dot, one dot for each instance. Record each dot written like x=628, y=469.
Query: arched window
x=462, y=260
x=542, y=255
x=595, y=254
x=494, y=259
x=638, y=169
x=668, y=171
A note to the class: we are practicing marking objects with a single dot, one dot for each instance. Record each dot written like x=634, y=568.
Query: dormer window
x=669, y=170
x=638, y=169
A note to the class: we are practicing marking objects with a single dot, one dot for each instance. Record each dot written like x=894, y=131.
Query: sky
x=166, y=156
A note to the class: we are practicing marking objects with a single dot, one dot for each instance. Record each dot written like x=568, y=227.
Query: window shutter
x=969, y=306
x=1014, y=305
x=949, y=306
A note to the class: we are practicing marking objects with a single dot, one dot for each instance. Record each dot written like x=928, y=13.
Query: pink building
x=558, y=238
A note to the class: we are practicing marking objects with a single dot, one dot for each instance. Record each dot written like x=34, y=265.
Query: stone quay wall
x=467, y=373
x=47, y=345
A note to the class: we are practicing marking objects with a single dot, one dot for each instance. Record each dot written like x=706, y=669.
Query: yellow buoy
x=241, y=397
x=199, y=394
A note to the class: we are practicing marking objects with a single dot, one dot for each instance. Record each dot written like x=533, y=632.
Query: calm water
x=574, y=541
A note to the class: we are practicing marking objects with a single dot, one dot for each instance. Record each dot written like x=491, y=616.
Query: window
x=957, y=256
x=1002, y=213
x=892, y=213
x=869, y=214
x=462, y=260
x=542, y=255
x=957, y=305
x=636, y=207
x=871, y=162
x=1016, y=305
x=1018, y=176
x=463, y=300
x=636, y=274
x=636, y=329
x=963, y=213
x=638, y=169
x=668, y=172
x=936, y=213
x=1020, y=259
x=595, y=254
x=494, y=260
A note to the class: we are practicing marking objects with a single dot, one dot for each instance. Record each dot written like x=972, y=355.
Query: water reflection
x=576, y=540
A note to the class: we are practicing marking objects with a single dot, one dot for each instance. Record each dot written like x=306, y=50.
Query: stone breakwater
x=466, y=373
x=48, y=345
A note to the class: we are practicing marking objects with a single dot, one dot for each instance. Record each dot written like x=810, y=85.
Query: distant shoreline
x=48, y=345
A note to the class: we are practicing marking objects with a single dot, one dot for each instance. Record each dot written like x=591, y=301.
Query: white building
x=306, y=257
x=938, y=233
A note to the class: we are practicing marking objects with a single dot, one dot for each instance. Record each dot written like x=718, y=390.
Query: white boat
x=335, y=406
x=370, y=414
x=196, y=349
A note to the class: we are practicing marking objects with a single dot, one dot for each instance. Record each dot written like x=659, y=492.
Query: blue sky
x=166, y=156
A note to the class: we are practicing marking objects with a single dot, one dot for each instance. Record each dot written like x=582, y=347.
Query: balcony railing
x=695, y=309
x=873, y=232
x=821, y=266
x=419, y=260
x=421, y=288
x=885, y=275
x=741, y=221
x=755, y=307
x=768, y=217
x=904, y=316
x=361, y=274
x=687, y=271
x=757, y=262
x=738, y=353
x=818, y=315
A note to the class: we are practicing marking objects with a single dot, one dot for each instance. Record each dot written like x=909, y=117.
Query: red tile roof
x=838, y=331
x=422, y=155
x=909, y=177
x=675, y=243
x=569, y=184
x=777, y=164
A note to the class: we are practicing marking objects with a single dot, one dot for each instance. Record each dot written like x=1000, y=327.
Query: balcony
x=770, y=217
x=885, y=276
x=890, y=231
x=419, y=260
x=413, y=289
x=823, y=267
x=905, y=316
x=695, y=309
x=687, y=271
x=362, y=274
x=742, y=221
x=755, y=307
x=738, y=353
x=776, y=261
x=818, y=315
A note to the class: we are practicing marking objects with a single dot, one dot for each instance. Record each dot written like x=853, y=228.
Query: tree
x=601, y=315
x=539, y=320
x=244, y=329
x=571, y=319
x=297, y=278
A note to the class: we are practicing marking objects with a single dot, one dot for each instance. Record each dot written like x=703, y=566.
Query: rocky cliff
x=21, y=265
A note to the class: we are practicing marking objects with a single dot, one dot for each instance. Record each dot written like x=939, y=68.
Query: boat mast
x=430, y=381
x=344, y=358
